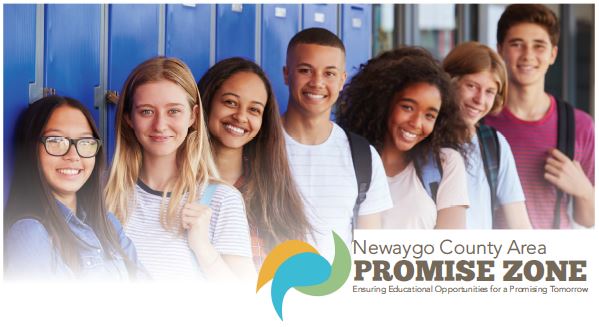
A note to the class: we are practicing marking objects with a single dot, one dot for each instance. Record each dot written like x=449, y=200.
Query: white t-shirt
x=413, y=208
x=166, y=254
x=509, y=189
x=325, y=176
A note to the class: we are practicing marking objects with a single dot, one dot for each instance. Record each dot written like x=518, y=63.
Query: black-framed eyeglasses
x=87, y=147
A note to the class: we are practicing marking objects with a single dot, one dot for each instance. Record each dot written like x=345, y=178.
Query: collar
x=69, y=214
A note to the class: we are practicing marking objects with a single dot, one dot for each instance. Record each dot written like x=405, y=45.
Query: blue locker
x=320, y=15
x=132, y=39
x=279, y=25
x=72, y=52
x=235, y=31
x=188, y=35
x=19, y=71
x=357, y=35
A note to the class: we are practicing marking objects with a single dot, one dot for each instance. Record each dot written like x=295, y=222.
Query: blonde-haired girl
x=162, y=166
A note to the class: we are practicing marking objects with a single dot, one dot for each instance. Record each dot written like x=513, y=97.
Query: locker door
x=188, y=35
x=133, y=38
x=235, y=31
x=279, y=25
x=72, y=52
x=320, y=15
x=357, y=35
x=19, y=72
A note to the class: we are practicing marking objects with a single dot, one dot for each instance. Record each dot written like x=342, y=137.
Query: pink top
x=530, y=142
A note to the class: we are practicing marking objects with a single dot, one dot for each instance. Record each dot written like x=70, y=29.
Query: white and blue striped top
x=166, y=254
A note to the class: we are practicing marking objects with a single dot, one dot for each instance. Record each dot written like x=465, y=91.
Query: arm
x=516, y=215
x=378, y=197
x=569, y=177
x=452, y=196
x=216, y=267
x=29, y=253
x=128, y=248
x=510, y=196
x=451, y=218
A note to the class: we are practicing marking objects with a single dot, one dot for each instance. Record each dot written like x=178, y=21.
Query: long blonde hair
x=194, y=156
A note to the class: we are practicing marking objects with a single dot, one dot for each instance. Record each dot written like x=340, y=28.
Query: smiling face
x=414, y=111
x=476, y=95
x=528, y=53
x=236, y=110
x=160, y=117
x=315, y=75
x=66, y=174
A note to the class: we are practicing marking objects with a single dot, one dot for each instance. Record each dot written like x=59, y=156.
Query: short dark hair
x=316, y=35
x=528, y=13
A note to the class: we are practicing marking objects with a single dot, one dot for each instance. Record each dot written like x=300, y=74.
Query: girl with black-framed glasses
x=56, y=224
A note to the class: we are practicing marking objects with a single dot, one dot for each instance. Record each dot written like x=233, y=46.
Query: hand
x=567, y=175
x=195, y=218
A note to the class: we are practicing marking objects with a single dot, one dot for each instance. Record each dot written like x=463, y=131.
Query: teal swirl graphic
x=296, y=264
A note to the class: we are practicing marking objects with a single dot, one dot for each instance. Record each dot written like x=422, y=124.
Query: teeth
x=234, y=129
x=69, y=171
x=407, y=135
x=314, y=96
x=159, y=138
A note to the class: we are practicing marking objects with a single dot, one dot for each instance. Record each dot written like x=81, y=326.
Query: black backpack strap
x=430, y=173
x=362, y=159
x=565, y=143
x=489, y=149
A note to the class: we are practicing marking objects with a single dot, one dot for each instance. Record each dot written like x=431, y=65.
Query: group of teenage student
x=206, y=187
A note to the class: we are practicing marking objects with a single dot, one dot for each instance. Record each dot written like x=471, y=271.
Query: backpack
x=430, y=170
x=208, y=193
x=490, y=152
x=565, y=143
x=362, y=159
x=430, y=174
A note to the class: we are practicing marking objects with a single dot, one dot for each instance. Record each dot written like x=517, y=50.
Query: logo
x=297, y=264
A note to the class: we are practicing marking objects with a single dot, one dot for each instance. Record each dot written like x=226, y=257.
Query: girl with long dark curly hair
x=402, y=102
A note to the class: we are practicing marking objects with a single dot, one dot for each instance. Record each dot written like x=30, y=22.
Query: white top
x=325, y=176
x=509, y=189
x=166, y=254
x=413, y=208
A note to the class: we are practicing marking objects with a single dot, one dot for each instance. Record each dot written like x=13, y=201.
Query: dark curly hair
x=365, y=104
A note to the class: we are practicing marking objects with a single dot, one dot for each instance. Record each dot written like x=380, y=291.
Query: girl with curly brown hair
x=402, y=102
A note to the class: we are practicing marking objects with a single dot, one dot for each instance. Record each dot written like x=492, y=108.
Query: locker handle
x=357, y=8
x=280, y=12
x=319, y=17
x=112, y=97
x=237, y=7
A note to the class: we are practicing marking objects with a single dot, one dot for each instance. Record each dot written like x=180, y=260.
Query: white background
x=183, y=304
